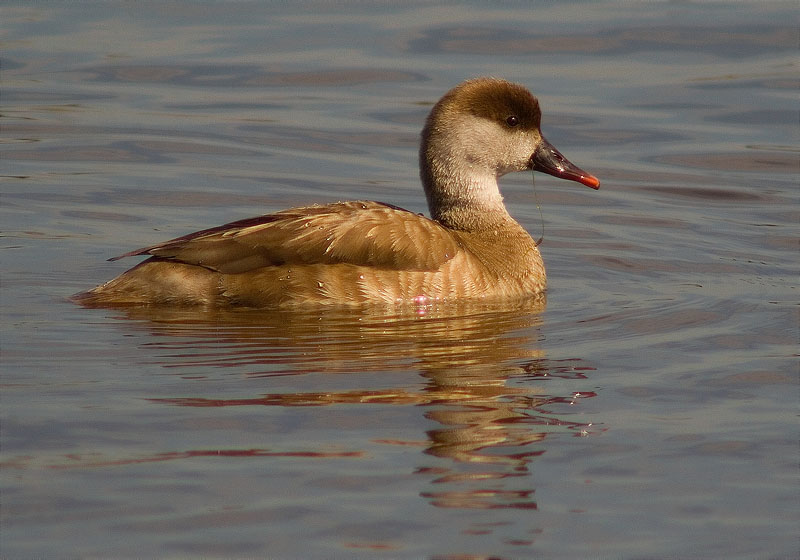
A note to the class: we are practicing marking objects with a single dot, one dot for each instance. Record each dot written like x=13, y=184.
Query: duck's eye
x=512, y=120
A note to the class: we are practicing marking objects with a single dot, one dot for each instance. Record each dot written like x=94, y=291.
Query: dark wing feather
x=361, y=233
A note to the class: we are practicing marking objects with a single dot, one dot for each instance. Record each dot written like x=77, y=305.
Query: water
x=646, y=409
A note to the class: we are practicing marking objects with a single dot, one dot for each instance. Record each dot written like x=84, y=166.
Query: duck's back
x=343, y=253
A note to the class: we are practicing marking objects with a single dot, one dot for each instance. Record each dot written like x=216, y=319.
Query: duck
x=366, y=252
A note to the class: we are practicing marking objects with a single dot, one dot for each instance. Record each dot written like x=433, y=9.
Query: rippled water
x=646, y=409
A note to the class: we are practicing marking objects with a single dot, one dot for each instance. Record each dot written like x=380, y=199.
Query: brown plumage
x=361, y=252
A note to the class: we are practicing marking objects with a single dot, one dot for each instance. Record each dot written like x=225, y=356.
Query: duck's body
x=363, y=251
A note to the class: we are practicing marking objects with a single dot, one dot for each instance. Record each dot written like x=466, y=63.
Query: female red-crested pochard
x=363, y=252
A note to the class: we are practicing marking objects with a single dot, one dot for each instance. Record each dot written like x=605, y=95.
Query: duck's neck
x=463, y=198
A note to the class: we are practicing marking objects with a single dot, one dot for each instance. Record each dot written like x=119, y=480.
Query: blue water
x=647, y=409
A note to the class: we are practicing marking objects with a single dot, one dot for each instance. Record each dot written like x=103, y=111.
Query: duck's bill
x=549, y=160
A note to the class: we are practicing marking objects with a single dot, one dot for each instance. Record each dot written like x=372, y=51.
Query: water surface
x=647, y=408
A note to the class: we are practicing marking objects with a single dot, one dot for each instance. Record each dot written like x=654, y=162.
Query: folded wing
x=362, y=233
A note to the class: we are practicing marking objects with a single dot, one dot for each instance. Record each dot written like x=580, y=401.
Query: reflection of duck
x=354, y=252
x=471, y=370
x=460, y=344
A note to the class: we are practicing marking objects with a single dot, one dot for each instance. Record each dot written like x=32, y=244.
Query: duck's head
x=479, y=131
